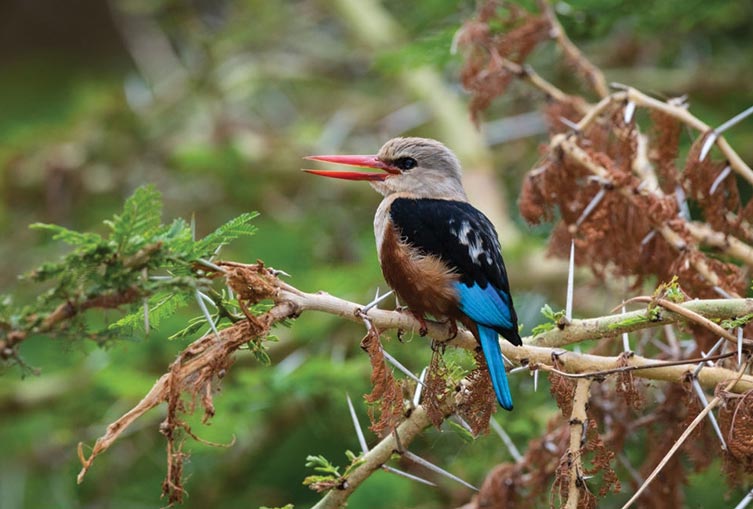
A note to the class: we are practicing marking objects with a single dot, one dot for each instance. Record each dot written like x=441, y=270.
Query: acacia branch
x=578, y=427
x=373, y=460
x=570, y=148
x=207, y=358
x=593, y=74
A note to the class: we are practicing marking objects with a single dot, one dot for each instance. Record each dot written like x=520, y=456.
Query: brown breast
x=422, y=282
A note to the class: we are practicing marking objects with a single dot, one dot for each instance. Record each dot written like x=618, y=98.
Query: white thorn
x=357, y=425
x=747, y=499
x=591, y=206
x=705, y=403
x=439, y=470
x=707, y=145
x=682, y=202
x=570, y=282
x=278, y=272
x=463, y=423
x=650, y=235
x=200, y=299
x=211, y=265
x=734, y=120
x=376, y=301
x=739, y=347
x=505, y=360
x=630, y=468
x=705, y=356
x=419, y=387
x=399, y=366
x=407, y=475
x=625, y=336
x=719, y=179
x=569, y=123
x=721, y=291
x=535, y=380
x=629, y=111
x=514, y=452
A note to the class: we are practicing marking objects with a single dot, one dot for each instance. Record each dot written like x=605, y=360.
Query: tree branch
x=578, y=427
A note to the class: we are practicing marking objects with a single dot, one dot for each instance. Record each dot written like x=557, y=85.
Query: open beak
x=372, y=162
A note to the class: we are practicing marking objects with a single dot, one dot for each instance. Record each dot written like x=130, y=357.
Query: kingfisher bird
x=438, y=253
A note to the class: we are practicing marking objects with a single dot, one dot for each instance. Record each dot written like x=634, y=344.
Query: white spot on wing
x=472, y=242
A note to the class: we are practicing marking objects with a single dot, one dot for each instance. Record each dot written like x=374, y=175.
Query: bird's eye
x=406, y=163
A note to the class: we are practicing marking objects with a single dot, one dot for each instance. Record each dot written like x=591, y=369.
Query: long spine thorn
x=514, y=452
x=439, y=470
x=357, y=425
x=399, y=366
x=419, y=387
x=407, y=475
x=200, y=299
x=712, y=418
x=570, y=283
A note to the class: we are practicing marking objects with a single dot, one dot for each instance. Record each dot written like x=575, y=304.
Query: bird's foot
x=438, y=346
x=423, y=329
x=452, y=329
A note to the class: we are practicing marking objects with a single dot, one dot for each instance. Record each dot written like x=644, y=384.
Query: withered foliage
x=385, y=399
x=512, y=36
x=736, y=421
x=195, y=375
x=627, y=386
x=521, y=484
x=436, y=389
x=476, y=400
x=626, y=183
x=562, y=390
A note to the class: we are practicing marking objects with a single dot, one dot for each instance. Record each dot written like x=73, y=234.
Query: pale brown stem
x=578, y=427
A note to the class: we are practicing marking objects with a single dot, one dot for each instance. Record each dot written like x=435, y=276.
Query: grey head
x=423, y=168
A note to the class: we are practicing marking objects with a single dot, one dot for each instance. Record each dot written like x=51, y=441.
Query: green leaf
x=72, y=237
x=231, y=230
x=141, y=217
x=322, y=464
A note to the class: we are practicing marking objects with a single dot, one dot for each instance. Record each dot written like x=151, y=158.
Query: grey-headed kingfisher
x=439, y=253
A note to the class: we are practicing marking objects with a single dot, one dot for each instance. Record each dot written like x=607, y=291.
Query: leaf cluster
x=139, y=263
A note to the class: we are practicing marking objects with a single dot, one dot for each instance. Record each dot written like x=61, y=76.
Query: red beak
x=359, y=161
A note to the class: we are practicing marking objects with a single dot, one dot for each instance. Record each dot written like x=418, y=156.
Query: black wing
x=466, y=241
x=455, y=232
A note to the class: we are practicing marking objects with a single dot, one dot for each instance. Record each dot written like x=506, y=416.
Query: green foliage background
x=217, y=116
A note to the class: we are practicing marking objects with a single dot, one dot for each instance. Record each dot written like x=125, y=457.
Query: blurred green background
x=215, y=102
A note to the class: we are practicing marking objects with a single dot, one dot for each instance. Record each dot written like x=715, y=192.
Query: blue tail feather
x=490, y=345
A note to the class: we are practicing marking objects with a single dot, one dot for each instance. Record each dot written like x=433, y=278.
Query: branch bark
x=578, y=427
x=197, y=367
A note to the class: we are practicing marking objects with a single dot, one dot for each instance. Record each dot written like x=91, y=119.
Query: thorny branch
x=578, y=428
x=207, y=360
x=638, y=206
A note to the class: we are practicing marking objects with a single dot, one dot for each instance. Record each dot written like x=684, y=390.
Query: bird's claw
x=453, y=330
x=423, y=329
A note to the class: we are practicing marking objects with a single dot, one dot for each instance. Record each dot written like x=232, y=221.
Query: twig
x=593, y=74
x=678, y=443
x=625, y=369
x=683, y=115
x=408, y=430
x=578, y=427
x=611, y=325
x=690, y=315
